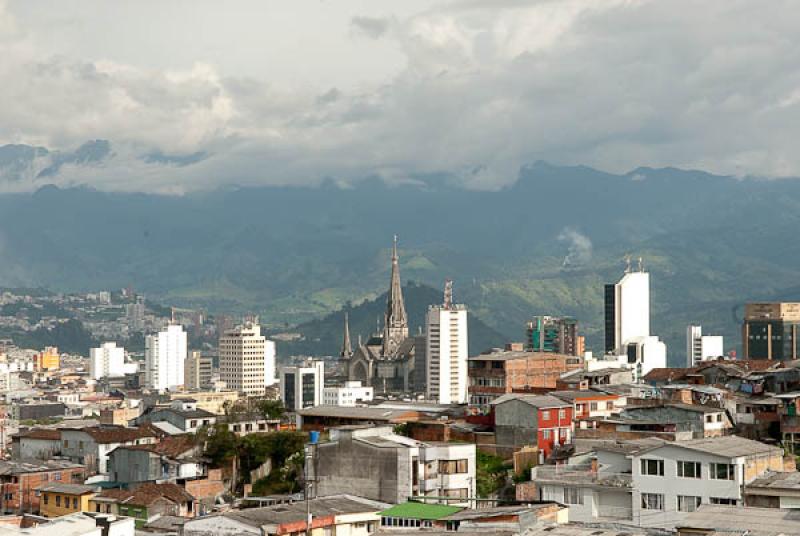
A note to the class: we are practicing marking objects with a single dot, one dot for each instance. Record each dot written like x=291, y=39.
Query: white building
x=348, y=395
x=656, y=483
x=701, y=347
x=447, y=351
x=302, y=386
x=107, y=361
x=246, y=359
x=165, y=356
x=627, y=324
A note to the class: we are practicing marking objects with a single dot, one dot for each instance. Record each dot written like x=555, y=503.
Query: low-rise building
x=348, y=395
x=522, y=420
x=589, y=403
x=172, y=459
x=335, y=515
x=384, y=466
x=79, y=524
x=709, y=520
x=182, y=416
x=774, y=490
x=19, y=479
x=59, y=499
x=656, y=483
x=146, y=503
x=37, y=444
x=90, y=446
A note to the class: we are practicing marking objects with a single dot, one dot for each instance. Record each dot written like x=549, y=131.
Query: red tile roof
x=147, y=494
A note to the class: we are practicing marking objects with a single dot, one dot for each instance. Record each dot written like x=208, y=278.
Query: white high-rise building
x=107, y=361
x=165, y=355
x=302, y=386
x=627, y=323
x=447, y=351
x=701, y=347
x=246, y=359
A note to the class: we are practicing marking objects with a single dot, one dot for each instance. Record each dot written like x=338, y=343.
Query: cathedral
x=391, y=361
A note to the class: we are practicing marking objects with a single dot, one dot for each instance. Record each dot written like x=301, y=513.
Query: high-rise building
x=627, y=310
x=246, y=359
x=198, y=370
x=47, y=359
x=134, y=313
x=447, y=351
x=302, y=385
x=107, y=361
x=558, y=334
x=627, y=323
x=701, y=347
x=165, y=356
x=770, y=331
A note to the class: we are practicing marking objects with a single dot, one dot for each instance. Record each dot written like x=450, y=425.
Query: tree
x=271, y=409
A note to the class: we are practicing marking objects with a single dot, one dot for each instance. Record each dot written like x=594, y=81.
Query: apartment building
x=246, y=359
x=494, y=374
x=347, y=395
x=384, y=466
x=447, y=351
x=656, y=483
x=522, y=420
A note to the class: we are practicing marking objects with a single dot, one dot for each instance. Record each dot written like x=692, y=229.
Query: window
x=593, y=406
x=97, y=508
x=689, y=469
x=709, y=418
x=46, y=498
x=74, y=502
x=56, y=476
x=546, y=434
x=724, y=500
x=562, y=414
x=653, y=467
x=451, y=467
x=58, y=500
x=652, y=501
x=688, y=503
x=719, y=417
x=573, y=496
x=545, y=415
x=721, y=471
x=66, y=443
x=193, y=424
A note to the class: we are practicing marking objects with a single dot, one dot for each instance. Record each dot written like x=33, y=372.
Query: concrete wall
x=347, y=466
x=515, y=425
x=128, y=465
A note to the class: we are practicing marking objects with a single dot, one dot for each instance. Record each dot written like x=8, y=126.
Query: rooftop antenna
x=448, y=293
x=627, y=264
x=641, y=265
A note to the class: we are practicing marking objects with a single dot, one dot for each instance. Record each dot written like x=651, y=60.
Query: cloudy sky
x=295, y=92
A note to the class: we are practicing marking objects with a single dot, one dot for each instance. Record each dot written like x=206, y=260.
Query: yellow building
x=57, y=499
x=47, y=359
x=213, y=401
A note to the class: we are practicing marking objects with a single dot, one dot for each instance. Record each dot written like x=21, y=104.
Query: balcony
x=580, y=475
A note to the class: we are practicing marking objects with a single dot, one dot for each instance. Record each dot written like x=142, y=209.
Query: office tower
x=302, y=385
x=107, y=361
x=627, y=310
x=770, y=331
x=627, y=319
x=701, y=347
x=198, y=370
x=557, y=334
x=447, y=351
x=165, y=356
x=246, y=359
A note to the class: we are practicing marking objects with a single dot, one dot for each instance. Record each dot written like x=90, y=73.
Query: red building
x=522, y=420
x=20, y=478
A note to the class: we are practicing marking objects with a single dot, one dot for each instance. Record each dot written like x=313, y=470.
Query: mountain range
x=545, y=245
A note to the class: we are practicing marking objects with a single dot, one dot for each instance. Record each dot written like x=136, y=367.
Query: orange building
x=47, y=359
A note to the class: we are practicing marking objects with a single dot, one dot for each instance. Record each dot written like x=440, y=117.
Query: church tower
x=347, y=348
x=395, y=325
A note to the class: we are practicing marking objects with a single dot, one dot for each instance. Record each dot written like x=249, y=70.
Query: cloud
x=485, y=88
x=579, y=246
x=371, y=27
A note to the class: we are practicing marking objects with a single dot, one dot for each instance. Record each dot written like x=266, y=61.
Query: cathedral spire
x=395, y=327
x=347, y=348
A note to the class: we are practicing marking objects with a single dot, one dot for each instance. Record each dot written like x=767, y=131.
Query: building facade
x=770, y=331
x=165, y=356
x=531, y=420
x=348, y=395
x=494, y=374
x=107, y=361
x=246, y=359
x=557, y=334
x=701, y=347
x=447, y=351
x=198, y=371
x=302, y=386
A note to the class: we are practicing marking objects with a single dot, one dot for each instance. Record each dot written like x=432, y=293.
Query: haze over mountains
x=545, y=245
